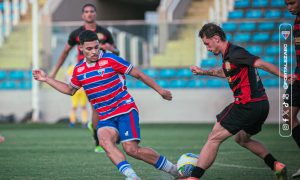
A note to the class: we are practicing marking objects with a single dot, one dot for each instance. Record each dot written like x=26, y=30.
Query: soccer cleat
x=280, y=170
x=296, y=174
x=99, y=149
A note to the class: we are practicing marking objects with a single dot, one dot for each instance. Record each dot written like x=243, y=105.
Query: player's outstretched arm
x=151, y=83
x=62, y=87
x=211, y=72
x=61, y=60
x=271, y=68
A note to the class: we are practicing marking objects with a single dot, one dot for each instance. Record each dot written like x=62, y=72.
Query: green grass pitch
x=40, y=151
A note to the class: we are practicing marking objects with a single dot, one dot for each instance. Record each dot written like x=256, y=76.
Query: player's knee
x=131, y=151
x=242, y=141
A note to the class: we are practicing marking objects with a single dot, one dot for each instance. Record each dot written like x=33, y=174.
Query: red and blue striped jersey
x=104, y=85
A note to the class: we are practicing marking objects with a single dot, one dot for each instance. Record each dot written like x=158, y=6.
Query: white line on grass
x=238, y=166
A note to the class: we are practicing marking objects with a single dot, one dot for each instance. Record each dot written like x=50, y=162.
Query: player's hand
x=196, y=70
x=291, y=78
x=39, y=75
x=167, y=95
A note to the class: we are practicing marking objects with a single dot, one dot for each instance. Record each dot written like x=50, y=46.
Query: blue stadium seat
x=1, y=6
x=167, y=73
x=270, y=59
x=130, y=83
x=151, y=72
x=208, y=63
x=184, y=73
x=215, y=83
x=236, y=14
x=242, y=37
x=229, y=26
x=255, y=49
x=178, y=83
x=228, y=36
x=260, y=37
x=247, y=26
x=8, y=85
x=2, y=74
x=163, y=83
x=277, y=3
x=262, y=73
x=254, y=14
x=242, y=4
x=25, y=85
x=16, y=74
x=274, y=82
x=288, y=15
x=140, y=84
x=272, y=50
x=266, y=26
x=260, y=3
x=273, y=13
x=196, y=83
x=275, y=37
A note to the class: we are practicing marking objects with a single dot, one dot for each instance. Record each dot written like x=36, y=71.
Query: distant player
x=79, y=101
x=99, y=75
x=2, y=139
x=246, y=115
x=89, y=18
x=294, y=104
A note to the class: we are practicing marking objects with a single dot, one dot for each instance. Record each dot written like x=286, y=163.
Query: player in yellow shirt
x=78, y=100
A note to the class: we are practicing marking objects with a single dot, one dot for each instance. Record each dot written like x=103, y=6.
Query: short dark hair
x=87, y=36
x=88, y=5
x=211, y=29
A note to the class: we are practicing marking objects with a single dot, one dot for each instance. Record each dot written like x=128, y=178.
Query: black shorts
x=248, y=117
x=295, y=97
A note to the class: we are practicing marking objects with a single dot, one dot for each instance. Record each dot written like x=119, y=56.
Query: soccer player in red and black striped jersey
x=293, y=90
x=107, y=42
x=246, y=115
x=100, y=74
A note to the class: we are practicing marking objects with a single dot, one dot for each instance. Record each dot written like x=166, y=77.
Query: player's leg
x=108, y=137
x=72, y=118
x=130, y=137
x=95, y=119
x=2, y=139
x=84, y=113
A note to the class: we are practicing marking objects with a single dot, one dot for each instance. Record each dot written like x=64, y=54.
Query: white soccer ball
x=186, y=163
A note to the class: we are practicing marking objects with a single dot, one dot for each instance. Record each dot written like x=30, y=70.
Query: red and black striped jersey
x=242, y=77
x=296, y=34
x=103, y=34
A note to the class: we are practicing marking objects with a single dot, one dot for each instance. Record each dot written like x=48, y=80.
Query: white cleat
x=296, y=174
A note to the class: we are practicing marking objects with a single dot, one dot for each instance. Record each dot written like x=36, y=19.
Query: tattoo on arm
x=215, y=72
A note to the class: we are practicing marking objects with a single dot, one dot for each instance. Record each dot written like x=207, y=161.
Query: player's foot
x=296, y=174
x=71, y=125
x=280, y=170
x=90, y=127
x=99, y=149
x=2, y=139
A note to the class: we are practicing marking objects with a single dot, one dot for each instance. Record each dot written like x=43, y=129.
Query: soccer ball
x=186, y=163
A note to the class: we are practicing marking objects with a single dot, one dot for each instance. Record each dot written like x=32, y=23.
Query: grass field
x=40, y=151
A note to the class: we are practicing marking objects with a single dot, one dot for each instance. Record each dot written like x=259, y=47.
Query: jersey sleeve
x=72, y=39
x=240, y=56
x=120, y=65
x=74, y=82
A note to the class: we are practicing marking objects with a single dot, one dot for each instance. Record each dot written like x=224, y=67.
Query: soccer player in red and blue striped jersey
x=100, y=74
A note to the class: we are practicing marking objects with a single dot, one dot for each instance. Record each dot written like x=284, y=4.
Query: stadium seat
x=275, y=37
x=1, y=6
x=288, y=15
x=16, y=74
x=163, y=83
x=273, y=13
x=274, y=82
x=8, y=85
x=260, y=37
x=130, y=83
x=178, y=83
x=2, y=74
x=209, y=63
x=215, y=83
x=255, y=49
x=272, y=50
x=266, y=26
x=228, y=36
x=270, y=59
x=242, y=4
x=140, y=84
x=236, y=14
x=277, y=3
x=254, y=14
x=229, y=26
x=247, y=26
x=167, y=73
x=262, y=73
x=260, y=3
x=151, y=72
x=25, y=84
x=184, y=73
x=241, y=37
x=196, y=83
